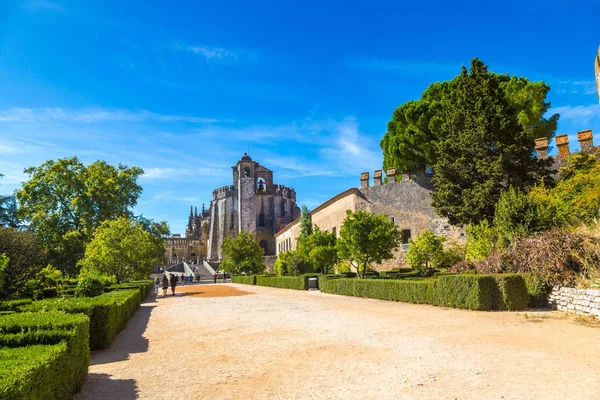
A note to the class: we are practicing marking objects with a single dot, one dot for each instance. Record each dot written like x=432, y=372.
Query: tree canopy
x=367, y=238
x=425, y=252
x=64, y=201
x=288, y=263
x=242, y=254
x=414, y=134
x=318, y=250
x=124, y=249
x=305, y=222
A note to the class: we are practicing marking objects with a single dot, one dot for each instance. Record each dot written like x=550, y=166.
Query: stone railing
x=577, y=301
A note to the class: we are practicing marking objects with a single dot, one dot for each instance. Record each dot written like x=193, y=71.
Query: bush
x=474, y=292
x=43, y=355
x=246, y=280
x=144, y=286
x=108, y=313
x=511, y=294
x=538, y=290
x=284, y=282
x=48, y=293
x=89, y=286
x=14, y=305
x=418, y=292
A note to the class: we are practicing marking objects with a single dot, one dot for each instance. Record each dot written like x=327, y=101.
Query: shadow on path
x=101, y=386
x=130, y=340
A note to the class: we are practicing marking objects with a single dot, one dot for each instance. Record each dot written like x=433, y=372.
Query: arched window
x=261, y=219
x=264, y=244
x=405, y=236
x=246, y=172
x=260, y=185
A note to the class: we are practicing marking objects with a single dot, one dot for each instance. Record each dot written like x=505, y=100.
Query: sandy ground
x=286, y=344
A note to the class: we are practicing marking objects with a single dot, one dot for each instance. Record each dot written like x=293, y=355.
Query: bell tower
x=246, y=184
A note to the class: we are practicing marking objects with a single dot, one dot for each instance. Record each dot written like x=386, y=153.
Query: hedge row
x=282, y=282
x=474, y=292
x=14, y=305
x=144, y=286
x=246, y=280
x=108, y=313
x=43, y=355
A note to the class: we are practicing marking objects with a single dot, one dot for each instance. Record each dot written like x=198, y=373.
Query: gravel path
x=246, y=342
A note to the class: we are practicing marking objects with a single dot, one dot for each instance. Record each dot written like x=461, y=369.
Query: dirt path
x=286, y=344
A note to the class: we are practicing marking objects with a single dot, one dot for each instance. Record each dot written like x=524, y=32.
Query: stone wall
x=577, y=301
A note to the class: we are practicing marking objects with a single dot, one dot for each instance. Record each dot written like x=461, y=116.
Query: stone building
x=586, y=145
x=407, y=201
x=253, y=204
x=192, y=247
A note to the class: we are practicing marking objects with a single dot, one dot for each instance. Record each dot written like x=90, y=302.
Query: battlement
x=281, y=190
x=391, y=177
x=585, y=139
x=225, y=191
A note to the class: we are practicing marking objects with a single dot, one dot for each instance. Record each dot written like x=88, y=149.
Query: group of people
x=175, y=279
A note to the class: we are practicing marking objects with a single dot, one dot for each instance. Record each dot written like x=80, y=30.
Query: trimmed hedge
x=43, y=355
x=538, y=290
x=474, y=292
x=512, y=293
x=108, y=313
x=144, y=286
x=14, y=305
x=243, y=279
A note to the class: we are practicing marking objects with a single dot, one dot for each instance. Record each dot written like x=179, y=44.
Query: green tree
x=484, y=148
x=482, y=240
x=123, y=249
x=367, y=238
x=3, y=265
x=305, y=223
x=289, y=263
x=413, y=137
x=517, y=215
x=65, y=201
x=26, y=258
x=425, y=252
x=319, y=250
x=8, y=211
x=242, y=254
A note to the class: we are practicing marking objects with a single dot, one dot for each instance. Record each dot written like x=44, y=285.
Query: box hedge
x=474, y=292
x=43, y=355
x=108, y=313
x=244, y=279
x=14, y=305
x=145, y=287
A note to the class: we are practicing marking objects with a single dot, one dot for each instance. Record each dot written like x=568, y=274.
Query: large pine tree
x=483, y=148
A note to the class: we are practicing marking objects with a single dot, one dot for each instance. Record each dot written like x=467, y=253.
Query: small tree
x=123, y=249
x=305, y=223
x=289, y=263
x=366, y=238
x=425, y=252
x=242, y=254
x=318, y=250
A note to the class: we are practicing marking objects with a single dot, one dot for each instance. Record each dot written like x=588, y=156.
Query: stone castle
x=253, y=204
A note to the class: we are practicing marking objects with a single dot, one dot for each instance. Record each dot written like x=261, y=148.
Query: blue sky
x=184, y=88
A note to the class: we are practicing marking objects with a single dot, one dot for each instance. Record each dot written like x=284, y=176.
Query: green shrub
x=417, y=292
x=511, y=294
x=474, y=292
x=283, y=282
x=14, y=305
x=43, y=355
x=246, y=280
x=89, y=286
x=538, y=290
x=144, y=286
x=49, y=293
x=108, y=313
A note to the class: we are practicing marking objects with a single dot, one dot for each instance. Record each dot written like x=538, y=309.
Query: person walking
x=182, y=279
x=224, y=277
x=173, y=283
x=191, y=278
x=156, y=285
x=215, y=277
x=165, y=285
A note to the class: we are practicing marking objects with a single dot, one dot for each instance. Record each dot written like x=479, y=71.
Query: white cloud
x=93, y=115
x=578, y=114
x=220, y=54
